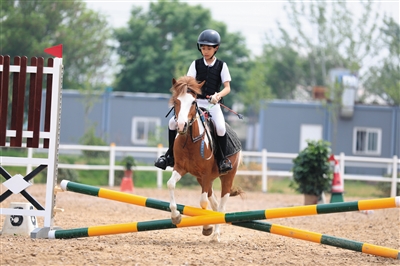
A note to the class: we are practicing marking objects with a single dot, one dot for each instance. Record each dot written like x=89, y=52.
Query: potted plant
x=128, y=161
x=312, y=173
x=127, y=181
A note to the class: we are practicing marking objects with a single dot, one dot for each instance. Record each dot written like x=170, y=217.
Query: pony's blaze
x=186, y=101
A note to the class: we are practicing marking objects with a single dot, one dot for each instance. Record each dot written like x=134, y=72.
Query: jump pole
x=166, y=224
x=219, y=218
x=283, y=212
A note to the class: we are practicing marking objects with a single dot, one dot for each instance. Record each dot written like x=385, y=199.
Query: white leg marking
x=221, y=208
x=171, y=187
x=224, y=200
x=204, y=201
x=213, y=202
x=204, y=205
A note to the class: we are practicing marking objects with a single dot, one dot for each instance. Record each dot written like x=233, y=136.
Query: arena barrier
x=22, y=87
x=243, y=219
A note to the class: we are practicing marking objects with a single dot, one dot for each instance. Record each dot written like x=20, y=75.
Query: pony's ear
x=173, y=81
x=202, y=83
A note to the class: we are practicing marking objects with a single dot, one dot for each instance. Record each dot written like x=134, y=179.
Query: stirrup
x=225, y=166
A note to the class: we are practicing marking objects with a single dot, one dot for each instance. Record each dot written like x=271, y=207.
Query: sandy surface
x=187, y=246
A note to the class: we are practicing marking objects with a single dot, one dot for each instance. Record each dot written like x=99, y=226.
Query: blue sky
x=252, y=18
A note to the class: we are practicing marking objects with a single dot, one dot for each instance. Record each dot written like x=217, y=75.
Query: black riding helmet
x=208, y=37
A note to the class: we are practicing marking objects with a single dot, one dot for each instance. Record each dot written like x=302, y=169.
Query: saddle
x=233, y=143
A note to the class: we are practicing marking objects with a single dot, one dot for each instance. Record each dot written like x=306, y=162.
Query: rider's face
x=208, y=51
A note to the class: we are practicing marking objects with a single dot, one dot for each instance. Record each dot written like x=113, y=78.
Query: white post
x=52, y=167
x=264, y=169
x=341, y=164
x=29, y=165
x=393, y=190
x=159, y=171
x=112, y=165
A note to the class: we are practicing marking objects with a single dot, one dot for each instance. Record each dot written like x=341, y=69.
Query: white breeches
x=216, y=115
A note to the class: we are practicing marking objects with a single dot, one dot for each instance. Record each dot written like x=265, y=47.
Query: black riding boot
x=224, y=163
x=168, y=159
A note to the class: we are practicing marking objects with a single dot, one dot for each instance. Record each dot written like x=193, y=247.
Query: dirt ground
x=187, y=246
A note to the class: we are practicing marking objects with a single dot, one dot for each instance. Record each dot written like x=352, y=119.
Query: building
x=284, y=127
x=122, y=118
x=139, y=119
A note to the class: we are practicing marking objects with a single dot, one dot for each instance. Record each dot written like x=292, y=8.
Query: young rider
x=215, y=72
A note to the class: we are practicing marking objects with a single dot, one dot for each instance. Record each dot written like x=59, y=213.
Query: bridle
x=199, y=114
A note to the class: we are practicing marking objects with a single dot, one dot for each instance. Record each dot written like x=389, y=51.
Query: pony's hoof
x=207, y=232
x=176, y=220
x=216, y=238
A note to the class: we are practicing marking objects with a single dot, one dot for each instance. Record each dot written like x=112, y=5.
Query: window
x=143, y=128
x=367, y=141
x=309, y=132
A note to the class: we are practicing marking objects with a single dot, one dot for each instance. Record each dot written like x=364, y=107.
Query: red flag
x=54, y=51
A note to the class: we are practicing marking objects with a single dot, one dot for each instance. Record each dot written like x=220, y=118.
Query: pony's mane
x=182, y=84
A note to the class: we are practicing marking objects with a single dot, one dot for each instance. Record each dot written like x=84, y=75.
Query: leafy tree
x=285, y=69
x=338, y=38
x=322, y=35
x=28, y=27
x=304, y=57
x=384, y=80
x=90, y=138
x=161, y=44
x=257, y=87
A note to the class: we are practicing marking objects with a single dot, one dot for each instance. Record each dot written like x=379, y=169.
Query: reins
x=202, y=119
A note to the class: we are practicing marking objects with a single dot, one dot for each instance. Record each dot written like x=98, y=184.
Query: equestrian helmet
x=208, y=37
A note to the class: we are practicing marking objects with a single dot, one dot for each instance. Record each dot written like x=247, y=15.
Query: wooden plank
x=38, y=102
x=4, y=98
x=14, y=99
x=17, y=117
x=31, y=107
x=49, y=91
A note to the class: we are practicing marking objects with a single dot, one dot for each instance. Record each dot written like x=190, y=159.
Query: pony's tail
x=237, y=191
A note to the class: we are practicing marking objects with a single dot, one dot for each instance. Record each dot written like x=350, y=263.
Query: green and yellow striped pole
x=129, y=198
x=323, y=239
x=284, y=212
x=219, y=218
x=239, y=219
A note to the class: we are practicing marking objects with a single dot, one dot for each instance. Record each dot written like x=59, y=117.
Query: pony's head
x=184, y=95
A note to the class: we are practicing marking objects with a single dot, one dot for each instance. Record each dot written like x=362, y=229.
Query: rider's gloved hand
x=215, y=98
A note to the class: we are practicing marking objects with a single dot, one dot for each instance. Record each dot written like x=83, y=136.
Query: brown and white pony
x=193, y=153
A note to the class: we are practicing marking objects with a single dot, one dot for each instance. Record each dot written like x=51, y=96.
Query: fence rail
x=263, y=157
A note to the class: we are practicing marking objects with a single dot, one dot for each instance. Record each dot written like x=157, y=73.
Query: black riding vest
x=212, y=76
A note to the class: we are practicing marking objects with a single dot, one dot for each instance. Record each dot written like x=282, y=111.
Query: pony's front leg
x=207, y=229
x=175, y=214
x=221, y=208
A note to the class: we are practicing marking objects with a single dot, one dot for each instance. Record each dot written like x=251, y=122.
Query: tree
x=257, y=89
x=28, y=27
x=285, y=68
x=330, y=35
x=384, y=80
x=160, y=44
x=322, y=35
